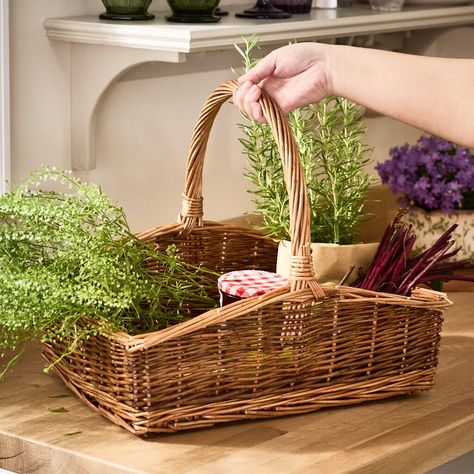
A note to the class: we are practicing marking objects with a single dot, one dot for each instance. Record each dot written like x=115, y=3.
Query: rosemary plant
x=329, y=137
x=70, y=268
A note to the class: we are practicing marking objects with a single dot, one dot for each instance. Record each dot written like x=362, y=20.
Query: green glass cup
x=193, y=11
x=126, y=10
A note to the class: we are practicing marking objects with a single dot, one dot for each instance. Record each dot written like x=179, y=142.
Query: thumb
x=266, y=67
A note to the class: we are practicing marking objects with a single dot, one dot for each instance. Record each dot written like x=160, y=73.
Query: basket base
x=169, y=421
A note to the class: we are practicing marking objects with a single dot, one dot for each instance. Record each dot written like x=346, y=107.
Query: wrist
x=332, y=65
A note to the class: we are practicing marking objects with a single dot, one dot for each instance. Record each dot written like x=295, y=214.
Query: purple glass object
x=264, y=10
x=293, y=6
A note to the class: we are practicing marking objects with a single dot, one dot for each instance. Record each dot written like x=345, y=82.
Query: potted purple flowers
x=435, y=178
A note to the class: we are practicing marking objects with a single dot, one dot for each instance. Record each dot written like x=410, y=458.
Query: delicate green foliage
x=329, y=136
x=70, y=269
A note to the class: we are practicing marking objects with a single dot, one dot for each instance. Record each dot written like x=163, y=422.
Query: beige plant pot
x=331, y=261
x=429, y=226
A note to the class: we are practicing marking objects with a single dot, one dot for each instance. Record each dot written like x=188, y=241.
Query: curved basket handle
x=301, y=271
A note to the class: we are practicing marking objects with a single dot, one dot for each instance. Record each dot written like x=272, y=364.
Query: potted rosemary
x=435, y=178
x=329, y=136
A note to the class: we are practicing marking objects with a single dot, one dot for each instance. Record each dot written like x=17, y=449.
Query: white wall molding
x=102, y=51
x=4, y=96
x=158, y=34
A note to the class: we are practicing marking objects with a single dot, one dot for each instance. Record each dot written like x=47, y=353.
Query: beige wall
x=40, y=84
x=144, y=126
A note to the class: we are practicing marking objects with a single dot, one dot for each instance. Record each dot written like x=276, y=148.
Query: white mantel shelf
x=102, y=51
x=161, y=35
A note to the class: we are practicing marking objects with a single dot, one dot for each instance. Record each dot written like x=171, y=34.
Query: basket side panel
x=282, y=359
x=101, y=374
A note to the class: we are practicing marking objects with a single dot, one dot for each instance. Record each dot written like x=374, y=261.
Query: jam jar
x=241, y=284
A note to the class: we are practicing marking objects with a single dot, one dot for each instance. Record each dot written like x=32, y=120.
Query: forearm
x=434, y=94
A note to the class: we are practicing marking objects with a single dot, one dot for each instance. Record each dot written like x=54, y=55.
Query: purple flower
x=433, y=174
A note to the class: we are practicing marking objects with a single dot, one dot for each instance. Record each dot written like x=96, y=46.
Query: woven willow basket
x=294, y=350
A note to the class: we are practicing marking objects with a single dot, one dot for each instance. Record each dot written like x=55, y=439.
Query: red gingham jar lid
x=247, y=283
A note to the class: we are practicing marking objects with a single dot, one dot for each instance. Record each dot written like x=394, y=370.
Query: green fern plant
x=70, y=268
x=330, y=141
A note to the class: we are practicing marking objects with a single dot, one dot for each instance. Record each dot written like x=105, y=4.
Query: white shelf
x=102, y=51
x=161, y=35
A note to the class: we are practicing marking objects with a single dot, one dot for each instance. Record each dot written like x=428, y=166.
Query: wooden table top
x=404, y=434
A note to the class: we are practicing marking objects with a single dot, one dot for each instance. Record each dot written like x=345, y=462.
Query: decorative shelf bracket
x=94, y=69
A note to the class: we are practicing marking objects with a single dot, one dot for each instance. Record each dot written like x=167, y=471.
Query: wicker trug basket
x=294, y=350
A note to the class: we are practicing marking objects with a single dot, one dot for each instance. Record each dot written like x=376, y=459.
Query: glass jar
x=293, y=6
x=387, y=5
x=242, y=284
x=126, y=10
x=193, y=11
x=326, y=4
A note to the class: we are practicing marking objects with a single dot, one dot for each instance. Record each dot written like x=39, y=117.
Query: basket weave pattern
x=293, y=350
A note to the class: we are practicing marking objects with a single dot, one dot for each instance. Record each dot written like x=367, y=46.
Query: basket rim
x=419, y=298
x=177, y=227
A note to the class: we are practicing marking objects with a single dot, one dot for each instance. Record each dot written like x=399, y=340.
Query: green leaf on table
x=58, y=410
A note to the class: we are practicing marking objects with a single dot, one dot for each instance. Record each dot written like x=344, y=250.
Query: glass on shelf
x=293, y=6
x=197, y=11
x=264, y=10
x=126, y=10
x=387, y=5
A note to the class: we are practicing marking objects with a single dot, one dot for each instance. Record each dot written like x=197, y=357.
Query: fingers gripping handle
x=301, y=272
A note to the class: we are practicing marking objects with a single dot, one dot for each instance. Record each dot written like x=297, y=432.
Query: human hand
x=294, y=75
